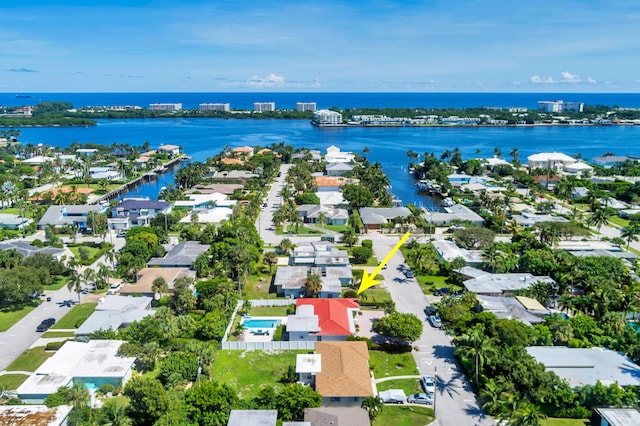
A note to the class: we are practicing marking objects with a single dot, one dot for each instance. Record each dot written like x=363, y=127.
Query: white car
x=393, y=396
x=428, y=384
x=114, y=288
x=420, y=398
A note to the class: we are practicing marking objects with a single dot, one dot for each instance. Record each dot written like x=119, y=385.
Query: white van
x=114, y=288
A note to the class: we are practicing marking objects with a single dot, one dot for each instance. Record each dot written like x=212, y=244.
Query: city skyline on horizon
x=196, y=46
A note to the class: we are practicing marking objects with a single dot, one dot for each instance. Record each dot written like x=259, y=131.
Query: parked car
x=420, y=398
x=435, y=321
x=429, y=310
x=121, y=234
x=46, y=324
x=114, y=288
x=428, y=384
x=393, y=396
x=409, y=274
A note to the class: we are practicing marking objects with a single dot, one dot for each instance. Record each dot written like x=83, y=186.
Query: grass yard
x=30, y=359
x=11, y=315
x=395, y=415
x=78, y=313
x=92, y=251
x=269, y=311
x=429, y=283
x=58, y=283
x=564, y=422
x=54, y=334
x=386, y=364
x=617, y=220
x=409, y=386
x=302, y=230
x=256, y=289
x=12, y=381
x=374, y=295
x=335, y=228
x=249, y=371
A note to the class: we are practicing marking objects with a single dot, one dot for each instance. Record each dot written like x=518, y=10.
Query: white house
x=549, y=160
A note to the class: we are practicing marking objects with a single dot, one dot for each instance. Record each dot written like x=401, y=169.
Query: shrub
x=37, y=243
x=54, y=346
x=277, y=336
x=361, y=254
x=367, y=243
x=106, y=388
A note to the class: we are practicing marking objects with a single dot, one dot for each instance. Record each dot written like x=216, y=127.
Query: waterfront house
x=549, y=160
x=170, y=150
x=205, y=200
x=608, y=161
x=578, y=168
x=242, y=152
x=338, y=169
x=334, y=155
x=107, y=173
x=213, y=215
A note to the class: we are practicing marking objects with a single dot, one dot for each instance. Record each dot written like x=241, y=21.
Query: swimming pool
x=260, y=323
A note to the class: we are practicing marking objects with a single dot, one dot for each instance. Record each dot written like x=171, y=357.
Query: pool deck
x=248, y=336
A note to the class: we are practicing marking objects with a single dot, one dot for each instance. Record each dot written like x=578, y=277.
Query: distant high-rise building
x=306, y=106
x=560, y=106
x=166, y=107
x=264, y=106
x=325, y=117
x=215, y=107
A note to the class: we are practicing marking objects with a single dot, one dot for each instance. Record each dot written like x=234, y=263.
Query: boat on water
x=24, y=96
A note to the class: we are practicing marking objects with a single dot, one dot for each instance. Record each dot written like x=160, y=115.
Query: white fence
x=261, y=346
x=272, y=302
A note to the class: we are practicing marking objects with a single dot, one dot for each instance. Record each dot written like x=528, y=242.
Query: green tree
x=148, y=400
x=75, y=283
x=373, y=405
x=403, y=326
x=210, y=403
x=313, y=285
x=349, y=236
x=475, y=344
x=270, y=258
x=357, y=195
x=293, y=399
x=599, y=218
x=159, y=286
x=630, y=233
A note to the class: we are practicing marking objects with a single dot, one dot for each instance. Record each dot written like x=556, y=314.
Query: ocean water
x=205, y=137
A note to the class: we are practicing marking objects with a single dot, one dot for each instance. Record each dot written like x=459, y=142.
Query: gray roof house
x=289, y=280
x=374, y=218
x=26, y=249
x=253, y=418
x=529, y=219
x=59, y=216
x=12, y=221
x=182, y=255
x=482, y=282
x=454, y=213
x=587, y=366
x=338, y=169
x=615, y=417
x=138, y=211
x=320, y=254
x=334, y=216
x=115, y=312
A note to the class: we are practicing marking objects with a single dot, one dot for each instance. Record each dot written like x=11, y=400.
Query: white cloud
x=591, y=80
x=537, y=79
x=274, y=81
x=567, y=77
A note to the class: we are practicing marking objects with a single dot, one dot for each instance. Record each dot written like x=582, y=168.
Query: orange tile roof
x=243, y=149
x=345, y=369
x=231, y=161
x=328, y=181
x=333, y=314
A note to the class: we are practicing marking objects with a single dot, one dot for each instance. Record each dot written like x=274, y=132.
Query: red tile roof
x=333, y=314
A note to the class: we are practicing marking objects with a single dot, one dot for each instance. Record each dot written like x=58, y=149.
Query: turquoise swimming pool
x=260, y=323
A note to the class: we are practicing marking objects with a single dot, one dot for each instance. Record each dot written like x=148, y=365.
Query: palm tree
x=349, y=236
x=527, y=414
x=159, y=286
x=270, y=258
x=78, y=396
x=111, y=256
x=366, y=152
x=285, y=245
x=477, y=345
x=630, y=233
x=102, y=276
x=515, y=154
x=114, y=414
x=75, y=283
x=322, y=219
x=598, y=218
x=313, y=285
x=373, y=405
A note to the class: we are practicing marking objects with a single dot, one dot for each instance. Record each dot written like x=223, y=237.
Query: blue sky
x=320, y=46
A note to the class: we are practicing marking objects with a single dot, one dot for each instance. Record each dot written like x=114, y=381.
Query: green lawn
x=58, y=283
x=77, y=313
x=409, y=386
x=564, y=422
x=374, y=295
x=429, y=283
x=386, y=364
x=12, y=381
x=249, y=371
x=53, y=334
x=335, y=228
x=30, y=360
x=269, y=311
x=10, y=316
x=302, y=230
x=92, y=251
x=397, y=415
x=619, y=221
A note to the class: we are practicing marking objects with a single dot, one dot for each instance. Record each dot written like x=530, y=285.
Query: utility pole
x=435, y=394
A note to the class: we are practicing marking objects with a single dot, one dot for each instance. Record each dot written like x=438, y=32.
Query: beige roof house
x=146, y=276
x=345, y=371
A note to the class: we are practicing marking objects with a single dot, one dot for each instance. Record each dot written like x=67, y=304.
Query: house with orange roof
x=227, y=161
x=344, y=378
x=242, y=152
x=323, y=319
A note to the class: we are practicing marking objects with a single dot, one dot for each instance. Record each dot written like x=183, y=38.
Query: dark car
x=46, y=324
x=429, y=310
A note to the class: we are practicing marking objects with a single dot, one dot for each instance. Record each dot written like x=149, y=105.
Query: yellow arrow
x=368, y=280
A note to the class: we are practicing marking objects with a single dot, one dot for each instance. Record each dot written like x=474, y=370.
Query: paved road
x=455, y=403
x=23, y=334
